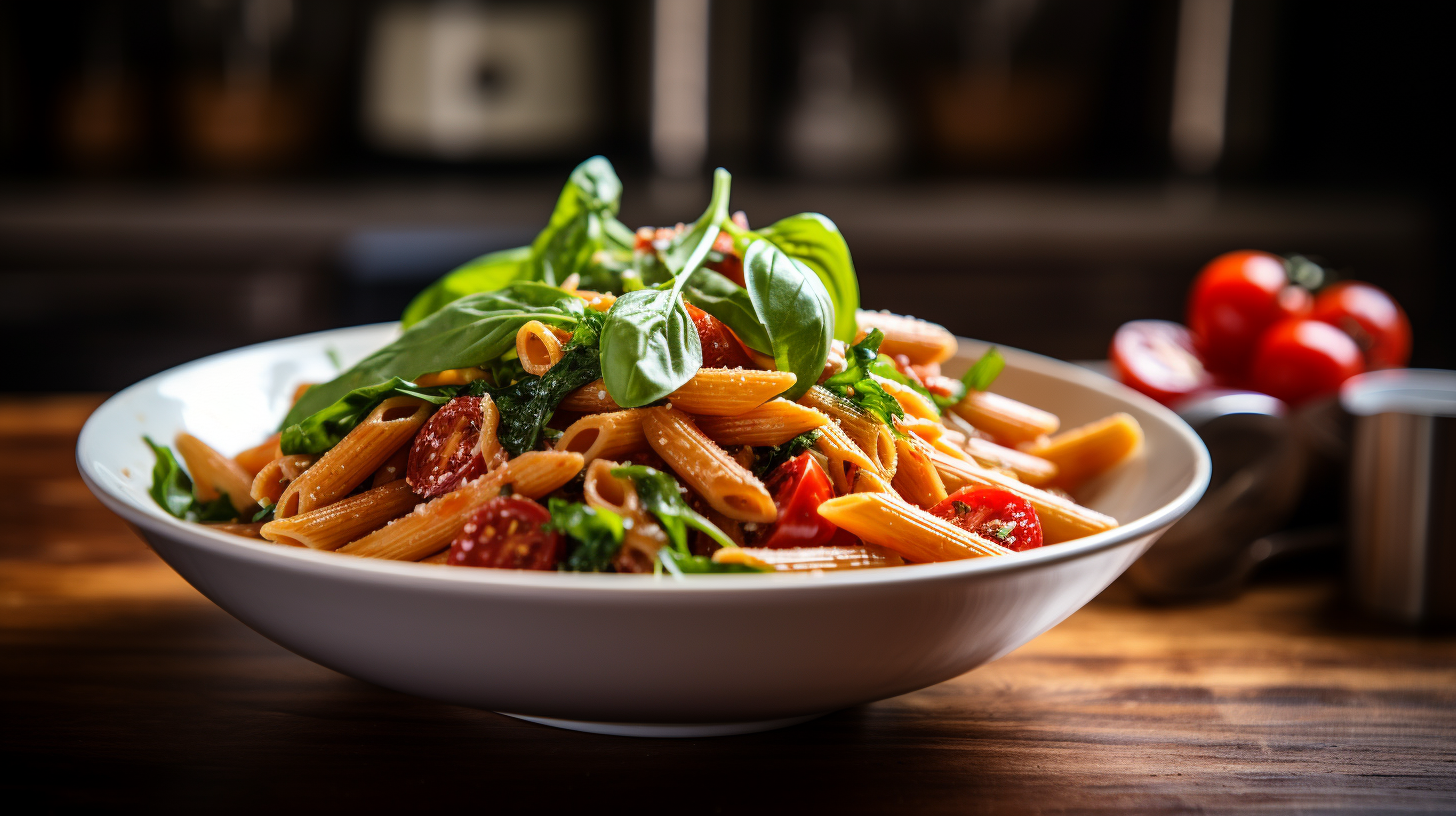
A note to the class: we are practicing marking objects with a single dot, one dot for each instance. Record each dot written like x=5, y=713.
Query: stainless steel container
x=1402, y=503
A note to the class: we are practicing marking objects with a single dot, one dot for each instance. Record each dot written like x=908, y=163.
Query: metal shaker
x=1402, y=502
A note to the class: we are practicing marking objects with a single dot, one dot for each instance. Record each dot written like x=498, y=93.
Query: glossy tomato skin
x=507, y=532
x=1300, y=359
x=1234, y=299
x=798, y=487
x=1371, y=317
x=721, y=348
x=999, y=516
x=1157, y=358
x=446, y=452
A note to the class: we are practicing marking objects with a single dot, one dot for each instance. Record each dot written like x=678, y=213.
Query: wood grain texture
x=120, y=685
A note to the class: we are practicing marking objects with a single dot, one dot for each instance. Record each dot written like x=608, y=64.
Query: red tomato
x=993, y=514
x=1235, y=298
x=1299, y=359
x=1156, y=357
x=721, y=348
x=731, y=267
x=1370, y=316
x=798, y=487
x=446, y=451
x=507, y=532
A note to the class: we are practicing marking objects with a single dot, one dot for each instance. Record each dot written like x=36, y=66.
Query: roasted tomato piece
x=1234, y=299
x=1156, y=357
x=1371, y=317
x=721, y=348
x=730, y=266
x=798, y=487
x=1298, y=360
x=996, y=515
x=446, y=452
x=507, y=532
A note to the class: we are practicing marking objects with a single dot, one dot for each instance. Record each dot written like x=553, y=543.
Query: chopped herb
x=769, y=457
x=173, y=490
x=595, y=533
x=527, y=405
x=855, y=383
x=660, y=495
x=1003, y=532
x=961, y=508
x=985, y=370
x=680, y=564
x=265, y=514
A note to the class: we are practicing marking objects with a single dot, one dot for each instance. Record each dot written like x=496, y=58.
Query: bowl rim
x=153, y=519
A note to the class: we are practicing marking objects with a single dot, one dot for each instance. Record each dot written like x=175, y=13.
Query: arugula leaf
x=984, y=371
x=527, y=405
x=649, y=345
x=855, y=383
x=730, y=303
x=597, y=534
x=767, y=458
x=468, y=332
x=173, y=490
x=816, y=242
x=680, y=564
x=794, y=309
x=323, y=429
x=484, y=274
x=660, y=495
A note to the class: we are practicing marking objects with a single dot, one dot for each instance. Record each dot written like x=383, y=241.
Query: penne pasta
x=441, y=557
x=214, y=474
x=242, y=529
x=345, y=466
x=591, y=398
x=916, y=479
x=274, y=478
x=772, y=423
x=921, y=341
x=539, y=347
x=395, y=467
x=723, y=483
x=871, y=435
x=836, y=445
x=431, y=526
x=1087, y=450
x=802, y=559
x=1034, y=470
x=911, y=401
x=880, y=519
x=1009, y=421
x=609, y=435
x=642, y=536
x=255, y=459
x=711, y=392
x=1061, y=519
x=596, y=301
x=332, y=526
x=451, y=376
x=868, y=481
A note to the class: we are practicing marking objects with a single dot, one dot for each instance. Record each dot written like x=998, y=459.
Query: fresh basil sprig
x=816, y=242
x=795, y=311
x=984, y=371
x=730, y=303
x=173, y=491
x=856, y=384
x=323, y=429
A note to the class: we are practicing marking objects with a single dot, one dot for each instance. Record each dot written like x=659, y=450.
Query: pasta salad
x=702, y=398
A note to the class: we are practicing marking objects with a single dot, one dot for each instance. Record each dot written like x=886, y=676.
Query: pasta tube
x=723, y=483
x=921, y=341
x=274, y=478
x=332, y=526
x=918, y=536
x=1034, y=470
x=711, y=392
x=395, y=467
x=1087, y=450
x=597, y=436
x=451, y=376
x=538, y=347
x=1006, y=419
x=356, y=457
x=916, y=479
x=1061, y=519
x=871, y=435
x=433, y=525
x=911, y=401
x=214, y=474
x=772, y=423
x=801, y=559
x=255, y=459
x=642, y=536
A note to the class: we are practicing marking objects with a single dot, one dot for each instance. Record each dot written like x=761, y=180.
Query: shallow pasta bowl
x=628, y=654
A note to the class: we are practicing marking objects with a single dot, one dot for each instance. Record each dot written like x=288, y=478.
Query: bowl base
x=667, y=730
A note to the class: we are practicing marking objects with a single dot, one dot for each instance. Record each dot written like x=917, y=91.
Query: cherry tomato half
x=1156, y=357
x=731, y=266
x=446, y=451
x=1371, y=317
x=1300, y=359
x=1234, y=299
x=996, y=515
x=798, y=487
x=721, y=348
x=507, y=532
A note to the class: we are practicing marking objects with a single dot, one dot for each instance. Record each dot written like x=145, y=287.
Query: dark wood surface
x=122, y=686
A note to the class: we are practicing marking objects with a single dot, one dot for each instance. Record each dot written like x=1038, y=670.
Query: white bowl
x=628, y=654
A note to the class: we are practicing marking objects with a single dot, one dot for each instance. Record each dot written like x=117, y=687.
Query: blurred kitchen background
x=178, y=178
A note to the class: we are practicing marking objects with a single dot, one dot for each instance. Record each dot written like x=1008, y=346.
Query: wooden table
x=120, y=684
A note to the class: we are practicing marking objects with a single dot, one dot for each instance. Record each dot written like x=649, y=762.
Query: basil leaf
x=854, y=382
x=794, y=308
x=596, y=532
x=730, y=303
x=816, y=242
x=679, y=564
x=323, y=429
x=768, y=458
x=687, y=251
x=219, y=509
x=470, y=331
x=484, y=274
x=885, y=367
x=661, y=497
x=527, y=405
x=174, y=491
x=984, y=371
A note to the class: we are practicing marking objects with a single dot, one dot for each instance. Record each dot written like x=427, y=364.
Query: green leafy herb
x=855, y=383
x=885, y=367
x=484, y=274
x=526, y=406
x=264, y=514
x=172, y=489
x=730, y=303
x=984, y=371
x=816, y=242
x=333, y=355
x=767, y=458
x=659, y=493
x=679, y=564
x=649, y=345
x=794, y=308
x=1003, y=532
x=323, y=429
x=468, y=332
x=596, y=534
